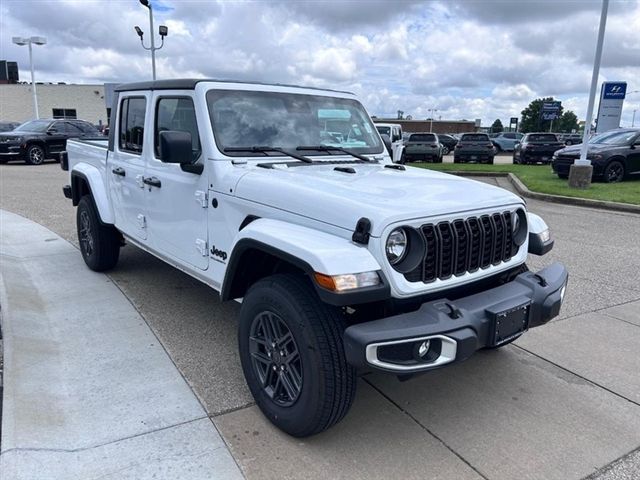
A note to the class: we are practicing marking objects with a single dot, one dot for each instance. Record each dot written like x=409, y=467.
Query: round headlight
x=519, y=227
x=396, y=247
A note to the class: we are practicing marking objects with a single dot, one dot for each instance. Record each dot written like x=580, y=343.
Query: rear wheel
x=614, y=172
x=490, y=161
x=293, y=357
x=99, y=243
x=445, y=150
x=35, y=155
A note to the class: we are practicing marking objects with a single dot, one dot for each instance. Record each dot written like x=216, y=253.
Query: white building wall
x=16, y=101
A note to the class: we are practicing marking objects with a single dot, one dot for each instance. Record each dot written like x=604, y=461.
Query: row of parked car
x=615, y=155
x=36, y=140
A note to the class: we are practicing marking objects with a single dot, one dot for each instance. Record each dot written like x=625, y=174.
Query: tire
x=35, y=155
x=490, y=161
x=613, y=172
x=445, y=150
x=403, y=159
x=516, y=161
x=99, y=243
x=563, y=176
x=456, y=160
x=497, y=147
x=321, y=384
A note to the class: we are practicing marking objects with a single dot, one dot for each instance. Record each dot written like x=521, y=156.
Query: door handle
x=119, y=171
x=152, y=181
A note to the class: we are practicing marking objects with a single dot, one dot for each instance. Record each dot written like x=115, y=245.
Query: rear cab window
x=132, y=118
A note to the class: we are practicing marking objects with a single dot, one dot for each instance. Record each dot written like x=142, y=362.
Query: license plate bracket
x=508, y=323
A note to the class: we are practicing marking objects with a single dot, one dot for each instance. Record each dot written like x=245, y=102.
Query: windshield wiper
x=328, y=148
x=267, y=149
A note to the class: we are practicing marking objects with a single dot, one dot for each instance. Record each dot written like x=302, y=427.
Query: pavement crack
x=620, y=319
x=578, y=375
x=90, y=447
x=424, y=427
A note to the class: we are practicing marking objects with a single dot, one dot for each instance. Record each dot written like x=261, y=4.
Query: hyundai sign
x=610, y=109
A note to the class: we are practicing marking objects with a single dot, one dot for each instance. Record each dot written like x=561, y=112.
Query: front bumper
x=536, y=156
x=474, y=155
x=562, y=165
x=456, y=329
x=9, y=150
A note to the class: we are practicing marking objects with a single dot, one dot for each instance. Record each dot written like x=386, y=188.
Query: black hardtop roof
x=190, y=84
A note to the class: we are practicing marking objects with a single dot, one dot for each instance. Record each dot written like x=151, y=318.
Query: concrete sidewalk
x=88, y=390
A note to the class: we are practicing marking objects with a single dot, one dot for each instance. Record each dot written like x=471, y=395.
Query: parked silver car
x=505, y=141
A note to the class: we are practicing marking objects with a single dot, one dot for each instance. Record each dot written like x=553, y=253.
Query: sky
x=448, y=59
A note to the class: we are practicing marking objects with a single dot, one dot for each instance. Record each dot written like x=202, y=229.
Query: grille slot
x=464, y=245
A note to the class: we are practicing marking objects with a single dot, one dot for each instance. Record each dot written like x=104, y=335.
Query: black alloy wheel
x=99, y=243
x=275, y=358
x=614, y=172
x=292, y=355
x=445, y=150
x=35, y=155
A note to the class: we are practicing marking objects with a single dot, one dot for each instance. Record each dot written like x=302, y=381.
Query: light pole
x=633, y=119
x=581, y=171
x=432, y=110
x=162, y=30
x=29, y=41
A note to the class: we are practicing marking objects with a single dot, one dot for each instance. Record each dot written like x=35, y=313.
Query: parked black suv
x=474, y=147
x=615, y=155
x=448, y=143
x=536, y=147
x=37, y=140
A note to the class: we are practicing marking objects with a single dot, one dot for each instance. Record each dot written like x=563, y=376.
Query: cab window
x=132, y=114
x=177, y=114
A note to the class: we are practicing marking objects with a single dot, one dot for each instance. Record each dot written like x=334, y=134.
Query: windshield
x=474, y=137
x=34, y=126
x=288, y=121
x=614, y=138
x=422, y=137
x=384, y=130
x=542, y=137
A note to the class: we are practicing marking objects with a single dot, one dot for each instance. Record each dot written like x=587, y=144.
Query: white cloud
x=469, y=59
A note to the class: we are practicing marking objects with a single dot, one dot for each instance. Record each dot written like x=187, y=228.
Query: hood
x=574, y=150
x=13, y=133
x=383, y=195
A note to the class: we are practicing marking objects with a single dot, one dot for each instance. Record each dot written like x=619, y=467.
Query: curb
x=522, y=189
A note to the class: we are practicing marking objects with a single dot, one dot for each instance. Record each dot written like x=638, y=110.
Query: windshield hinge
x=202, y=198
x=361, y=233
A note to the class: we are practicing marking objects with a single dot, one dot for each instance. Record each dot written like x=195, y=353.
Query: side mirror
x=387, y=143
x=175, y=147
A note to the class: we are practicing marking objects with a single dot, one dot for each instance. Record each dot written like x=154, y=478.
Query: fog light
x=423, y=348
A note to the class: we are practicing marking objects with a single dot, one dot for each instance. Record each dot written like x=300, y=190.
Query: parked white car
x=394, y=132
x=285, y=199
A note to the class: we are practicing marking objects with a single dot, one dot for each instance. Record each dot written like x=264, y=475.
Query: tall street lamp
x=432, y=110
x=581, y=170
x=29, y=41
x=162, y=30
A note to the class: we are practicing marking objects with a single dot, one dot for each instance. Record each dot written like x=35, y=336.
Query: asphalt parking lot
x=563, y=402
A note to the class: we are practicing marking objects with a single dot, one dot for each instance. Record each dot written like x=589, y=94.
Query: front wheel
x=614, y=172
x=99, y=243
x=293, y=357
x=445, y=150
x=35, y=155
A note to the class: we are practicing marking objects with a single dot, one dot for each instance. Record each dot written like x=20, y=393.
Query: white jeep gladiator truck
x=285, y=199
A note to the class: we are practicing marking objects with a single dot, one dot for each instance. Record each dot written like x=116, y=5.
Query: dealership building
x=85, y=102
x=436, y=126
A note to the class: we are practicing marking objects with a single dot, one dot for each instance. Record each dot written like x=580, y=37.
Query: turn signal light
x=349, y=281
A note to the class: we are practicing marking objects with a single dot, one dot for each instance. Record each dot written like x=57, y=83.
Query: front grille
x=464, y=246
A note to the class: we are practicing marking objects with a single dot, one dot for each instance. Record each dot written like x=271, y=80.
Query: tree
x=497, y=127
x=567, y=122
x=532, y=121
